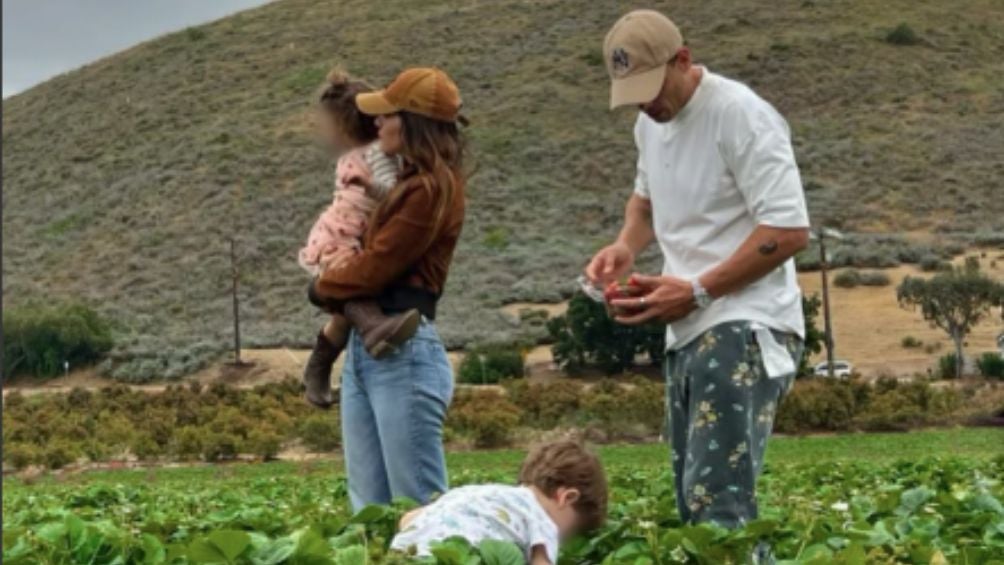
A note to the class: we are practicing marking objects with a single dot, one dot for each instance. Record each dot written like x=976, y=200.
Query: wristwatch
x=701, y=296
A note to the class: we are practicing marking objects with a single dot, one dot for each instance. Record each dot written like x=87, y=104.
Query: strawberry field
x=926, y=497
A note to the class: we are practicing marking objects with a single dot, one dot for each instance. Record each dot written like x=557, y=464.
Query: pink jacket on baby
x=342, y=224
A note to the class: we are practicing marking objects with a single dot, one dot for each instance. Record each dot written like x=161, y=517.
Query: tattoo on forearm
x=768, y=248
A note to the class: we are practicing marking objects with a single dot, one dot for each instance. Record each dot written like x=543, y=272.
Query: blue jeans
x=392, y=420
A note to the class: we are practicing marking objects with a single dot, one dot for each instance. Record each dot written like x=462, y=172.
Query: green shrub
x=264, y=443
x=491, y=364
x=20, y=455
x=991, y=365
x=947, y=368
x=889, y=412
x=195, y=33
x=220, y=445
x=496, y=238
x=587, y=336
x=321, y=432
x=848, y=278
x=903, y=34
x=39, y=338
x=931, y=263
x=593, y=57
x=817, y=405
x=60, y=453
x=873, y=278
x=910, y=342
x=638, y=407
x=188, y=442
x=545, y=405
x=486, y=416
x=145, y=447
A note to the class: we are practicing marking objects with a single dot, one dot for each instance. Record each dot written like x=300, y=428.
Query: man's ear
x=569, y=496
x=683, y=58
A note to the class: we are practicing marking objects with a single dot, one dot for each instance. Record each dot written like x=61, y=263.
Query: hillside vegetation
x=124, y=180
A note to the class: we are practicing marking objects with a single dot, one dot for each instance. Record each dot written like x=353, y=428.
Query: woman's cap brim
x=375, y=104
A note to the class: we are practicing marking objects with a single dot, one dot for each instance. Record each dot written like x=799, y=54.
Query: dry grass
x=869, y=325
x=120, y=179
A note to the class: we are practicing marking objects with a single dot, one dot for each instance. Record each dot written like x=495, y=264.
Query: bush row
x=886, y=405
x=850, y=278
x=181, y=423
x=611, y=411
x=219, y=422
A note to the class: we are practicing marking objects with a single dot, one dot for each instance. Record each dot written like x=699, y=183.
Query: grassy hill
x=124, y=180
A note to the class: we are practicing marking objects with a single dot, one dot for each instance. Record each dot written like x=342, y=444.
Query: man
x=717, y=186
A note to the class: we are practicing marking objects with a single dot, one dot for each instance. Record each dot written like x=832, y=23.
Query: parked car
x=840, y=369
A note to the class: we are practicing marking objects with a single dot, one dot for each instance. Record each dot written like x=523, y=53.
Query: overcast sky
x=43, y=38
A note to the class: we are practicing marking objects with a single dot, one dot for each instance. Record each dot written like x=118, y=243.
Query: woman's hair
x=568, y=464
x=338, y=100
x=433, y=152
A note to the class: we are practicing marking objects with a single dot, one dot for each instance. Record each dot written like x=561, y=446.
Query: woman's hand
x=610, y=263
x=665, y=299
x=337, y=258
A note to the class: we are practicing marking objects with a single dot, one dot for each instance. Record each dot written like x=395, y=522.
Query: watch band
x=701, y=296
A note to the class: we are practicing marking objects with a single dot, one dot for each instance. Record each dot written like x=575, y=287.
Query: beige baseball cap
x=636, y=51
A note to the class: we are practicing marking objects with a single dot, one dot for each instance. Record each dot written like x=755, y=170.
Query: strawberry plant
x=845, y=511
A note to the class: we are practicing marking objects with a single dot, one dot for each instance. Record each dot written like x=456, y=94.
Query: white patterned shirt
x=483, y=512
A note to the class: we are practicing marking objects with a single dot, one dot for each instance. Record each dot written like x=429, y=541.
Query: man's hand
x=665, y=299
x=610, y=263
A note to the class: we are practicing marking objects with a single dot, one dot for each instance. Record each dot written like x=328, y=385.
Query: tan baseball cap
x=636, y=51
x=422, y=90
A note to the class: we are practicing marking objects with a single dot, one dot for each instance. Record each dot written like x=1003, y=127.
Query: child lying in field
x=562, y=491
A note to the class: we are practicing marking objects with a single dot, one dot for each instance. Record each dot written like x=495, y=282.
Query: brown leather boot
x=317, y=373
x=381, y=334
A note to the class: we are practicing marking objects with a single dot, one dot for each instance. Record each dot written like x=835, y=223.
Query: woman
x=393, y=408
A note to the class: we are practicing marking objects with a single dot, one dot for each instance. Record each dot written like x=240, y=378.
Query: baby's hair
x=569, y=464
x=338, y=99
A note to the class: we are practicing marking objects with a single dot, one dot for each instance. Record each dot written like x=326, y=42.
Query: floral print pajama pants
x=721, y=406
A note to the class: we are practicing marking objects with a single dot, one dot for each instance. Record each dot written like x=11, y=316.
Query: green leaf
x=913, y=499
x=231, y=543
x=311, y=545
x=274, y=552
x=495, y=552
x=355, y=555
x=369, y=515
x=221, y=546
x=451, y=551
x=153, y=550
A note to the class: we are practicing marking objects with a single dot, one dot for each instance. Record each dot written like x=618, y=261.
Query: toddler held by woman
x=363, y=178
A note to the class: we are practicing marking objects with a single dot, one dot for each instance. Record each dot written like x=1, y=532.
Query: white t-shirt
x=483, y=512
x=723, y=165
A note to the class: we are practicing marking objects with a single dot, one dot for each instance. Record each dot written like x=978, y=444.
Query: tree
x=587, y=335
x=814, y=337
x=955, y=301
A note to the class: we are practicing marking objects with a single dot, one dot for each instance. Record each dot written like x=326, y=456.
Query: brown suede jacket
x=400, y=249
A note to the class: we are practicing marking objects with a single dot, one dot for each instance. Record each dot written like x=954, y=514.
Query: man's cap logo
x=619, y=60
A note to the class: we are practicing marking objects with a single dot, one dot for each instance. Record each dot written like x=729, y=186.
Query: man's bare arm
x=763, y=251
x=615, y=260
x=637, y=232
